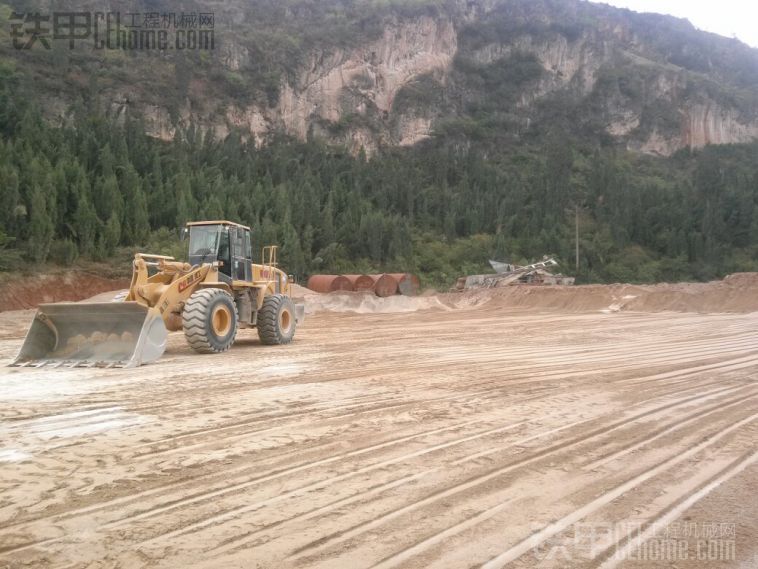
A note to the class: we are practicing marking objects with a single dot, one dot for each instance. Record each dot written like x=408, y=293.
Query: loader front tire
x=210, y=321
x=276, y=320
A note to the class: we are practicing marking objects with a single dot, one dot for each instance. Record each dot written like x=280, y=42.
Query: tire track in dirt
x=231, y=544
x=406, y=554
x=667, y=429
x=615, y=555
x=584, y=366
x=571, y=351
x=319, y=484
x=276, y=474
x=472, y=482
x=160, y=490
x=397, y=402
x=539, y=537
x=192, y=481
x=244, y=485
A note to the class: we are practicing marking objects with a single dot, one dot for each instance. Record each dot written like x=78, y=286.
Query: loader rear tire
x=276, y=320
x=210, y=321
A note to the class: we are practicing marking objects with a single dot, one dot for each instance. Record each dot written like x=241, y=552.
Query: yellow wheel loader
x=217, y=292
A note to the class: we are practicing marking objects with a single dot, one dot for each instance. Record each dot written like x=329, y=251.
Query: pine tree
x=112, y=234
x=186, y=207
x=9, y=197
x=213, y=209
x=292, y=252
x=327, y=233
x=41, y=227
x=139, y=218
x=107, y=197
x=85, y=223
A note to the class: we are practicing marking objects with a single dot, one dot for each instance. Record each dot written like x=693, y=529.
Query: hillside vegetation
x=90, y=184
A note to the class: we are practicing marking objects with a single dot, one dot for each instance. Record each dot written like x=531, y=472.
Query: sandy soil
x=474, y=432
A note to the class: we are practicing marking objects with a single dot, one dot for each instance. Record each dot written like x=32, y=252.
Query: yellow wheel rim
x=285, y=321
x=221, y=321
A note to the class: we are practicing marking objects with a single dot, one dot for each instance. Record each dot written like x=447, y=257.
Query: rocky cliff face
x=347, y=95
x=358, y=85
x=365, y=81
x=710, y=123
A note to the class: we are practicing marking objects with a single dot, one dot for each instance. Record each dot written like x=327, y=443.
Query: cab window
x=224, y=252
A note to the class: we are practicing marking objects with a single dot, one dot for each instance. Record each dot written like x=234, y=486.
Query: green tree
x=85, y=224
x=40, y=227
x=186, y=205
x=139, y=222
x=112, y=234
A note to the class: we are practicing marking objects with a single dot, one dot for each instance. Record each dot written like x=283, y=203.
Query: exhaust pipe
x=108, y=334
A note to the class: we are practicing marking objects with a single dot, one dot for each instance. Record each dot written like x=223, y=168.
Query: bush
x=64, y=252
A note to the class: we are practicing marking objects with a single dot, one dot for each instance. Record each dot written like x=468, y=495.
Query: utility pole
x=576, y=234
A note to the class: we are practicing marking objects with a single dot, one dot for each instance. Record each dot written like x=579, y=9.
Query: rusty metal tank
x=329, y=283
x=384, y=285
x=407, y=284
x=361, y=283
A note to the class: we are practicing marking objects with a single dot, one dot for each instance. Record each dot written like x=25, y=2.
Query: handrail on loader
x=271, y=250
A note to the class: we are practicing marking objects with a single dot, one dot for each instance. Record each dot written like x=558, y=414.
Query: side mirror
x=183, y=233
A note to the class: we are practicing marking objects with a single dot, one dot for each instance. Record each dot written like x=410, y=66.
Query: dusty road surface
x=466, y=436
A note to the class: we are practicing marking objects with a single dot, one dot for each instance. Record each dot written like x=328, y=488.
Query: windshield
x=204, y=240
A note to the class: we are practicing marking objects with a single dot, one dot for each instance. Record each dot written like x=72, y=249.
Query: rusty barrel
x=329, y=283
x=361, y=283
x=384, y=285
x=407, y=284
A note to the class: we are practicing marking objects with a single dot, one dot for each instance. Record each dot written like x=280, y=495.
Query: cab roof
x=216, y=222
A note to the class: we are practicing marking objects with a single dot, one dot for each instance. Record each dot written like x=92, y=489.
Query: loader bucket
x=107, y=334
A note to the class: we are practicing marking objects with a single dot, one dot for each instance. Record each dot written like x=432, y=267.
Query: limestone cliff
x=649, y=94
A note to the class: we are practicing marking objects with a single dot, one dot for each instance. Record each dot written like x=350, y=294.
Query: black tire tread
x=195, y=316
x=268, y=321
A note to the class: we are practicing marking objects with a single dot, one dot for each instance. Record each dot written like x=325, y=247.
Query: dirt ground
x=18, y=292
x=447, y=431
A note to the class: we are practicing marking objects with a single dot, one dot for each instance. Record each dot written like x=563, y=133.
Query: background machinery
x=217, y=292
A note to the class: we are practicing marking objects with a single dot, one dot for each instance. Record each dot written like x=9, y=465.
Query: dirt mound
x=20, y=293
x=369, y=303
x=742, y=279
x=736, y=293
x=300, y=291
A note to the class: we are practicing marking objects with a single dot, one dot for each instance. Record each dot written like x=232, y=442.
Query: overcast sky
x=728, y=18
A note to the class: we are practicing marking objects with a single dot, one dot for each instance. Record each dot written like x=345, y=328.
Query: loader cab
x=223, y=241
